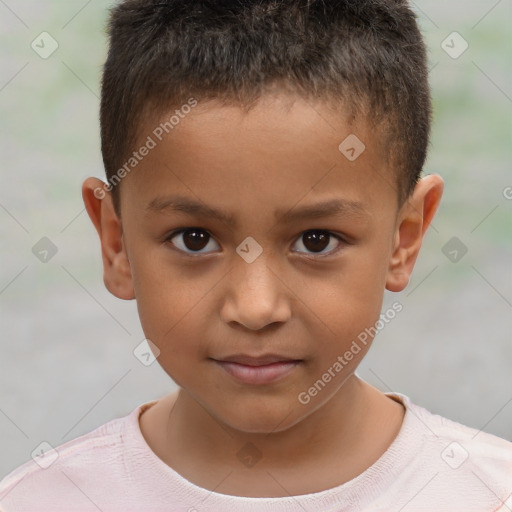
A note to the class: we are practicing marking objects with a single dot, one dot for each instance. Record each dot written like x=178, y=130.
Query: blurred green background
x=67, y=363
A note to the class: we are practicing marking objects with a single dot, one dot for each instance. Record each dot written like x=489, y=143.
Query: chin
x=263, y=418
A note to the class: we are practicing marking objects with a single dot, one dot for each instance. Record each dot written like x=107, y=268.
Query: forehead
x=282, y=153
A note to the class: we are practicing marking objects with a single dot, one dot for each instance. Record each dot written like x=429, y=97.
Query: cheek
x=174, y=322
x=169, y=302
x=349, y=300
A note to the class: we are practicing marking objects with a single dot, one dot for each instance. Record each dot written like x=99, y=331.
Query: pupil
x=194, y=239
x=316, y=240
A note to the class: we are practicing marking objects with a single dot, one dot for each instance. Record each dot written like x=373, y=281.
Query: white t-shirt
x=433, y=465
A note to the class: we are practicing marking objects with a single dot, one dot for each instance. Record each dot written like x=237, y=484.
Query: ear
x=413, y=221
x=117, y=274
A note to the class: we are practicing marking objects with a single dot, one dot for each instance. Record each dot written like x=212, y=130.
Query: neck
x=343, y=437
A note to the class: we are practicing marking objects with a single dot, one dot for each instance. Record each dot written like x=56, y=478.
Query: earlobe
x=413, y=221
x=116, y=266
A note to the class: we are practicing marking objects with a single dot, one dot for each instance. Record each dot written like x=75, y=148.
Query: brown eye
x=191, y=239
x=317, y=240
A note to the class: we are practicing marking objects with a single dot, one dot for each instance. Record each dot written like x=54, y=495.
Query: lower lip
x=258, y=375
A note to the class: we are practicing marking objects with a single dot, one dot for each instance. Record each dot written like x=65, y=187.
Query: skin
x=291, y=300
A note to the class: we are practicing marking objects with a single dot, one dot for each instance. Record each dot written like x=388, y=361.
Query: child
x=263, y=161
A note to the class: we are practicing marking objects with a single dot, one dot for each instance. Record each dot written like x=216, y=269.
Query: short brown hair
x=367, y=54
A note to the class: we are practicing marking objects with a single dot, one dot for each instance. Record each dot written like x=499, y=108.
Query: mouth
x=258, y=370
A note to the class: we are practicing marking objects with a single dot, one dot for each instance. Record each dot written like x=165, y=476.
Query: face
x=230, y=254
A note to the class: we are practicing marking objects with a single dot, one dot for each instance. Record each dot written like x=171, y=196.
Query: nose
x=255, y=295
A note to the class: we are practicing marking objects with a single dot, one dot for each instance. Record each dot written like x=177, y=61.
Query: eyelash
x=342, y=241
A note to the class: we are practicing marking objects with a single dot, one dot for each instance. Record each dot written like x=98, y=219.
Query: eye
x=191, y=239
x=197, y=241
x=316, y=240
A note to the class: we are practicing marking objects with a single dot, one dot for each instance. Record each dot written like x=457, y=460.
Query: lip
x=258, y=370
x=261, y=360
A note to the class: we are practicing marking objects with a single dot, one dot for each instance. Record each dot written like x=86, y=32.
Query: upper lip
x=256, y=360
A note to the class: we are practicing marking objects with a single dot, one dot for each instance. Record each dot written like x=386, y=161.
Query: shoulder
x=477, y=443
x=464, y=464
x=69, y=473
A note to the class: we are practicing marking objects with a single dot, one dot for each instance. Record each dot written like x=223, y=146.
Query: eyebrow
x=333, y=207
